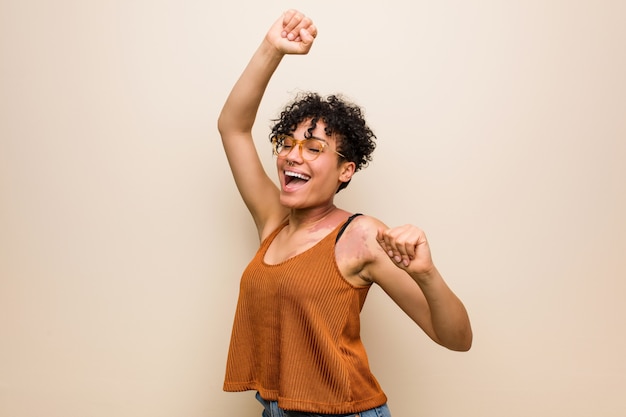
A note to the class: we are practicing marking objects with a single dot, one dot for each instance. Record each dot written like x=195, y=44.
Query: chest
x=285, y=246
x=349, y=254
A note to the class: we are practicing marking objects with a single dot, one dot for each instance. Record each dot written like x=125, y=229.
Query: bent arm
x=292, y=33
x=235, y=124
x=411, y=279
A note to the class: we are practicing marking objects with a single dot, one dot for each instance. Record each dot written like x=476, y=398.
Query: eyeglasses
x=310, y=148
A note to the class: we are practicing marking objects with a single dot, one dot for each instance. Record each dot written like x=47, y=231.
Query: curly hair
x=341, y=117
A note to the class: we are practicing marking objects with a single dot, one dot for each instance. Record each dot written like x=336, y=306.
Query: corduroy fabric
x=296, y=334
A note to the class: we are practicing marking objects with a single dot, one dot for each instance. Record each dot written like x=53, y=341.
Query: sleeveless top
x=296, y=334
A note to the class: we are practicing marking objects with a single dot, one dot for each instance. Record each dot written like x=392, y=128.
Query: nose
x=291, y=156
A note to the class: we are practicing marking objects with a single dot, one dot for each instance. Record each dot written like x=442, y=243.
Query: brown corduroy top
x=296, y=334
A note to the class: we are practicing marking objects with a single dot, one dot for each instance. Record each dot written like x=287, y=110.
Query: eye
x=314, y=146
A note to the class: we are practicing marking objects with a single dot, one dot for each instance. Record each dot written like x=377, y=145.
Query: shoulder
x=364, y=226
x=358, y=247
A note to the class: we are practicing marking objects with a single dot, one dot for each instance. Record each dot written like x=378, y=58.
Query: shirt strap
x=343, y=227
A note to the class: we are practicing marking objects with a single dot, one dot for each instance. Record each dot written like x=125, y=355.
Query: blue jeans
x=272, y=410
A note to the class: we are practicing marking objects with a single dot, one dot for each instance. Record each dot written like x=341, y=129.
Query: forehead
x=305, y=130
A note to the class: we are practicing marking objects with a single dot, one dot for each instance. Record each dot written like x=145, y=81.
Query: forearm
x=292, y=33
x=449, y=317
x=240, y=109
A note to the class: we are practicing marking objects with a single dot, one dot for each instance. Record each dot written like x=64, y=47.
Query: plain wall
x=501, y=131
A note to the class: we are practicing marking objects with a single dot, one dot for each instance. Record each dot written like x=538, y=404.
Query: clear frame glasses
x=310, y=149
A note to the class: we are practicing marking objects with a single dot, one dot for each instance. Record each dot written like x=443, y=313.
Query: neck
x=311, y=217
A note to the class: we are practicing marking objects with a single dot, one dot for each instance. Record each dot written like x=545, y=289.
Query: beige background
x=502, y=132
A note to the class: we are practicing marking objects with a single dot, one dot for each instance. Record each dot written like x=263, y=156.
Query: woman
x=296, y=336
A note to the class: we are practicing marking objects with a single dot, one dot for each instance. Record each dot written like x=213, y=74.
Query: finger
x=406, y=239
x=391, y=245
x=380, y=238
x=404, y=248
x=287, y=26
x=312, y=29
x=296, y=33
x=385, y=242
x=288, y=15
x=379, y=235
x=410, y=244
x=409, y=253
x=415, y=238
x=292, y=20
x=307, y=35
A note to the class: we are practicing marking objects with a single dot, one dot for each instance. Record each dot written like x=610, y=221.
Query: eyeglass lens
x=309, y=148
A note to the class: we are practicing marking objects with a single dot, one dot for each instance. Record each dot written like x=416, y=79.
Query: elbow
x=459, y=342
x=221, y=125
x=463, y=343
x=225, y=122
x=226, y=127
x=461, y=347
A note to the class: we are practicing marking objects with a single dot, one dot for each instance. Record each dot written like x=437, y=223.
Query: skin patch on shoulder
x=354, y=251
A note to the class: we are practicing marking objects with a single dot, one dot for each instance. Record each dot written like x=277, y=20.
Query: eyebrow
x=312, y=137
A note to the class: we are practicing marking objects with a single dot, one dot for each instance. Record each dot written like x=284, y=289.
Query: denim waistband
x=271, y=409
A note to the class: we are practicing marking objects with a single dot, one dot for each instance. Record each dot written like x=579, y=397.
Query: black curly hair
x=341, y=117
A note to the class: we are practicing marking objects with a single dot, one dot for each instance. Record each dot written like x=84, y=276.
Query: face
x=308, y=184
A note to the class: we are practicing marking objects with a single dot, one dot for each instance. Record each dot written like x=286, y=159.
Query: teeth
x=297, y=175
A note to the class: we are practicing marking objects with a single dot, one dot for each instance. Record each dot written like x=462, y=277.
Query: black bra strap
x=343, y=227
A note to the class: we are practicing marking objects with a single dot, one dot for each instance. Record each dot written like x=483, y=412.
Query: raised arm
x=292, y=33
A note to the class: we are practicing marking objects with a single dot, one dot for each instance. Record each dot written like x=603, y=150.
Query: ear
x=347, y=170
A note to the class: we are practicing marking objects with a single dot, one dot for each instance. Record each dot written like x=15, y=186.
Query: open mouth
x=295, y=179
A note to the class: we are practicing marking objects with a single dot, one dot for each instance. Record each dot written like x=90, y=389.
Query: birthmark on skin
x=353, y=246
x=322, y=227
x=353, y=253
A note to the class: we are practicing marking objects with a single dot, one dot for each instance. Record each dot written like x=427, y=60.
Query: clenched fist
x=408, y=248
x=292, y=33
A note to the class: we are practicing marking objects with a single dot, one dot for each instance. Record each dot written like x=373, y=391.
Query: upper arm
x=258, y=191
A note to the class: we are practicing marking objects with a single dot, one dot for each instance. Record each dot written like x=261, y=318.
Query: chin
x=294, y=202
x=289, y=201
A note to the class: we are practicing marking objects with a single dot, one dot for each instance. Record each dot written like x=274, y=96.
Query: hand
x=292, y=33
x=408, y=248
